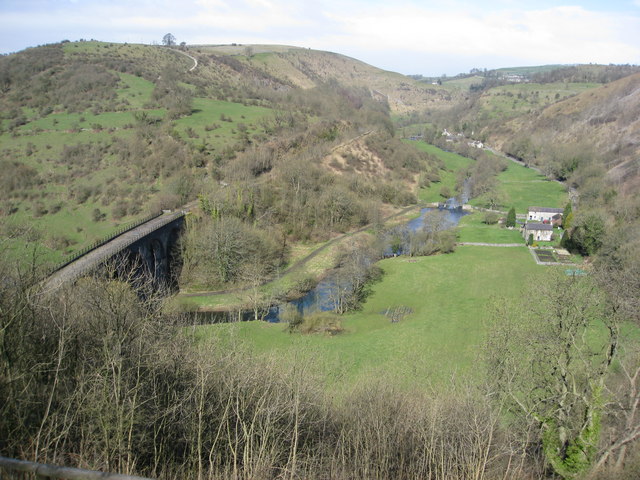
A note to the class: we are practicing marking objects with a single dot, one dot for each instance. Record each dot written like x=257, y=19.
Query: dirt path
x=195, y=61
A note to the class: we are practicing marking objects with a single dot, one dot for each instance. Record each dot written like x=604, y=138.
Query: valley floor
x=448, y=297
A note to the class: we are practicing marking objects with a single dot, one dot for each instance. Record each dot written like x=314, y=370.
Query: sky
x=425, y=37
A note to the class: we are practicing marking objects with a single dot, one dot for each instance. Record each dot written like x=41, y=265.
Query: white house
x=540, y=231
x=543, y=214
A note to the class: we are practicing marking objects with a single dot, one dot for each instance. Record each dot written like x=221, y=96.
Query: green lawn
x=472, y=229
x=522, y=187
x=448, y=295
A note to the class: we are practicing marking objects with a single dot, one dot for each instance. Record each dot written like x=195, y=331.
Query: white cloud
x=372, y=30
x=554, y=35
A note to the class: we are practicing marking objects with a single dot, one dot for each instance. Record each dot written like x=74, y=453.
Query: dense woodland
x=102, y=377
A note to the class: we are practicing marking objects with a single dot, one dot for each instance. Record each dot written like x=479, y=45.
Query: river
x=320, y=297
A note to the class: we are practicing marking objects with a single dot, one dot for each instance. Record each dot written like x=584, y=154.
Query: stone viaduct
x=147, y=251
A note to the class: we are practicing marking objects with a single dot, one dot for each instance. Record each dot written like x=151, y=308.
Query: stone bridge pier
x=155, y=256
x=147, y=255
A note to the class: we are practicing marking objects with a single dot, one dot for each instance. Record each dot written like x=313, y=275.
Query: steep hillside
x=575, y=123
x=94, y=135
x=307, y=68
x=603, y=120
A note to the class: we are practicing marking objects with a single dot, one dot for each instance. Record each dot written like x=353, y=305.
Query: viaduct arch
x=148, y=253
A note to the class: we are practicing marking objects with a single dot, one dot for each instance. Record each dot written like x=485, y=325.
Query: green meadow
x=473, y=229
x=220, y=123
x=517, y=186
x=508, y=101
x=452, y=162
x=135, y=90
x=58, y=223
x=441, y=338
x=522, y=187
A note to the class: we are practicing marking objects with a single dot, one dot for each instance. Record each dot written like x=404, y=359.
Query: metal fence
x=11, y=468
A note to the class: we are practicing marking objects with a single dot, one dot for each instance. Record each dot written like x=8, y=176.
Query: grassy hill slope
x=307, y=68
x=576, y=123
x=94, y=135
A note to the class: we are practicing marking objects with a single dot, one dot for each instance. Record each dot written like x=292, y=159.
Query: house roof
x=538, y=226
x=546, y=209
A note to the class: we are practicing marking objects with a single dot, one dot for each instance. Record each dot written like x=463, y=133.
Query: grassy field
x=135, y=90
x=522, y=187
x=210, y=113
x=518, y=186
x=472, y=229
x=58, y=223
x=453, y=163
x=513, y=100
x=463, y=83
x=441, y=338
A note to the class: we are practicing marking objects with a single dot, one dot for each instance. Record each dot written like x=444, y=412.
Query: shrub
x=490, y=218
x=120, y=209
x=97, y=215
x=445, y=192
x=511, y=218
x=292, y=316
x=320, y=322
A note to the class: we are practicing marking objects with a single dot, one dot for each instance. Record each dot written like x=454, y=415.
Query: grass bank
x=473, y=229
x=441, y=337
x=517, y=186
x=453, y=163
x=522, y=187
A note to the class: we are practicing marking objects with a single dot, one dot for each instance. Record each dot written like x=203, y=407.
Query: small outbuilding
x=541, y=231
x=544, y=214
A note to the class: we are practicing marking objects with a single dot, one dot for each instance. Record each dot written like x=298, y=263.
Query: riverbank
x=292, y=282
x=448, y=296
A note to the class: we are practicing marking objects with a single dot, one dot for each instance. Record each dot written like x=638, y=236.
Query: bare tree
x=544, y=365
x=623, y=429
